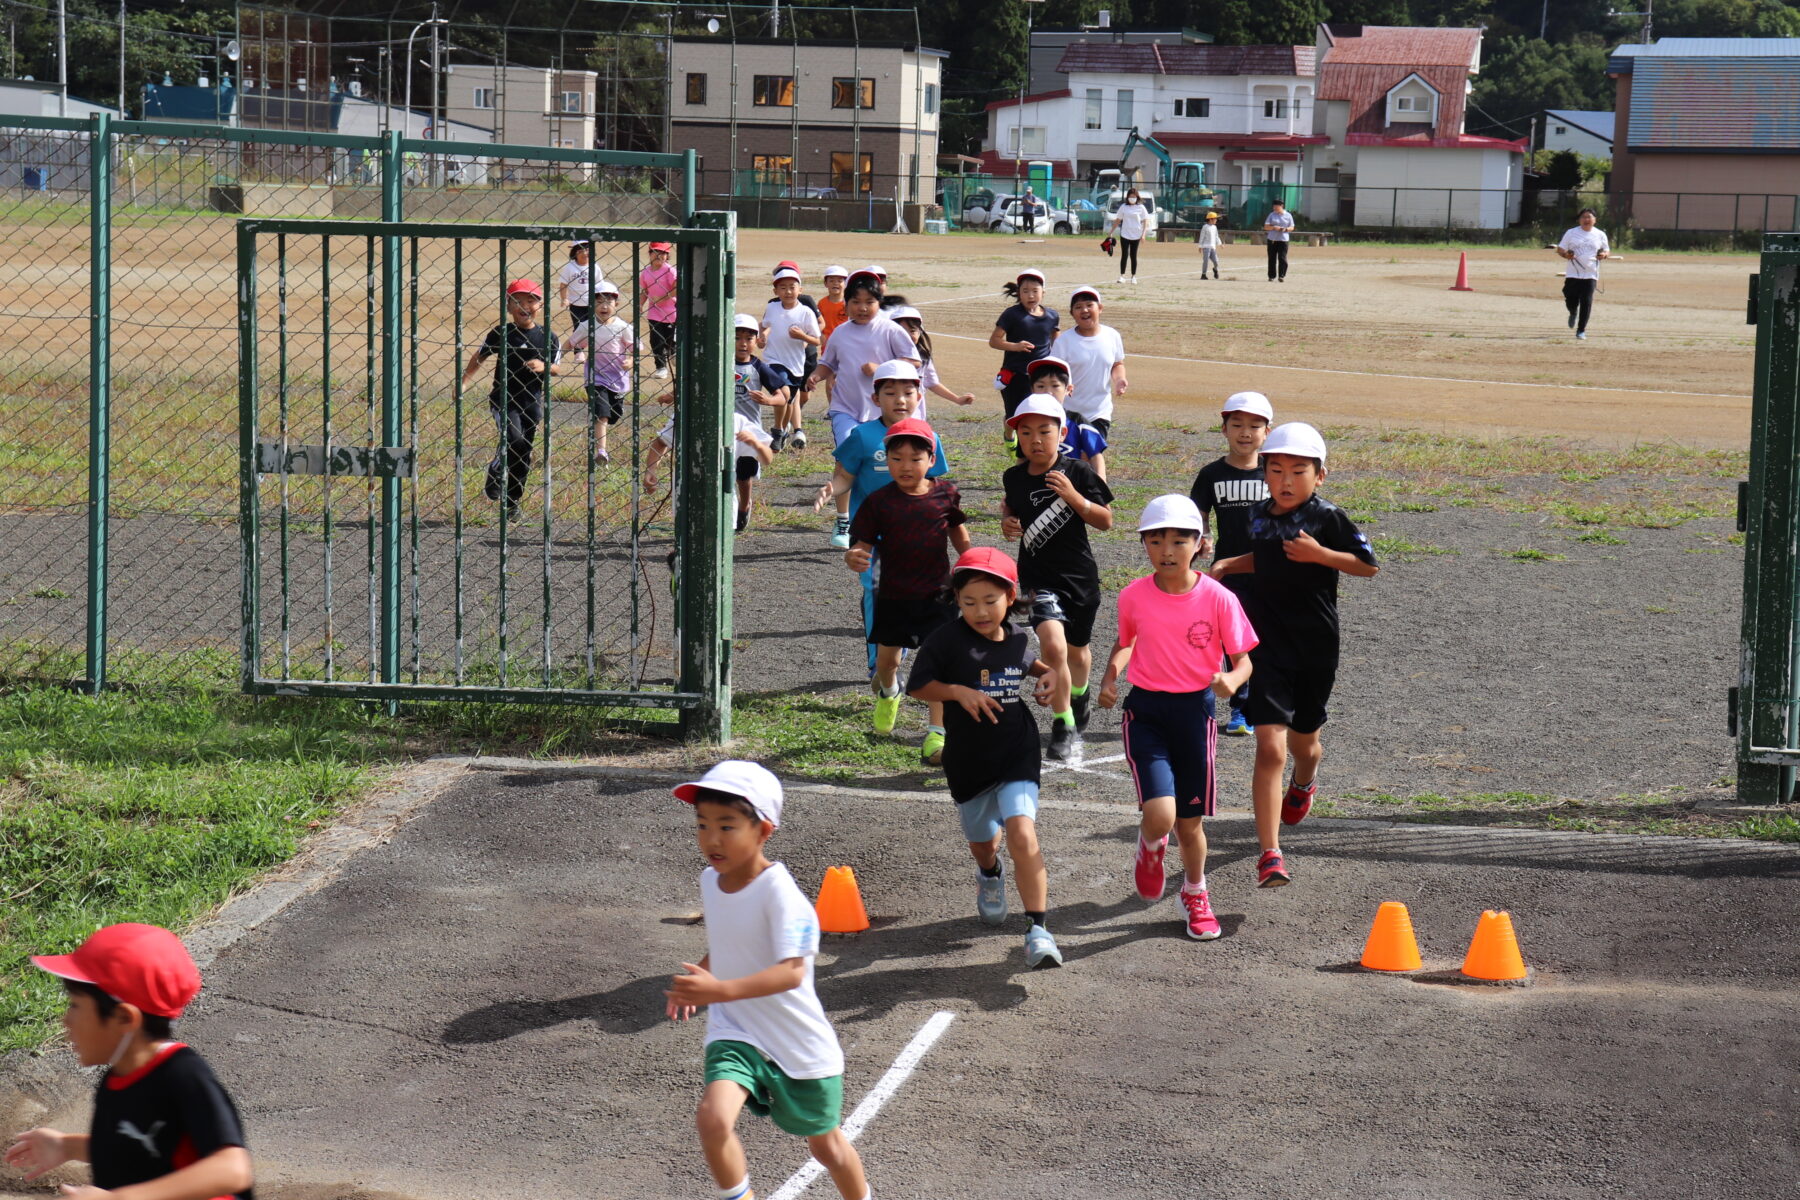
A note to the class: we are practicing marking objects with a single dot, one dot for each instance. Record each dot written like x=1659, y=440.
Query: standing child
x=1096, y=357
x=1080, y=441
x=908, y=522
x=1051, y=500
x=911, y=320
x=768, y=1043
x=609, y=343
x=1209, y=242
x=656, y=282
x=1175, y=628
x=1299, y=543
x=754, y=387
x=792, y=333
x=974, y=667
x=1231, y=486
x=526, y=352
x=576, y=282
x=1022, y=332
x=163, y=1125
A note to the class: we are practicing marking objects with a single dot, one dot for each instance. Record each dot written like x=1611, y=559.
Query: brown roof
x=1183, y=58
x=1362, y=68
x=1405, y=46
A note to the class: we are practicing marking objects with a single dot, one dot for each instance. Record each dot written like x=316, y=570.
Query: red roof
x=1402, y=46
x=1365, y=87
x=1001, y=167
x=1243, y=141
x=1038, y=96
x=1463, y=141
x=1183, y=58
x=1262, y=155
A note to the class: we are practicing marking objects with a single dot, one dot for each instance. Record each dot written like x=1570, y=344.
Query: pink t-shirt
x=1179, y=642
x=659, y=292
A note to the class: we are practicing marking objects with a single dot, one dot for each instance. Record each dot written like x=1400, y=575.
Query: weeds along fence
x=119, y=456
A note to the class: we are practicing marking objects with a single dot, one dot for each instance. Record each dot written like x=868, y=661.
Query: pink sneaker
x=1149, y=872
x=1202, y=926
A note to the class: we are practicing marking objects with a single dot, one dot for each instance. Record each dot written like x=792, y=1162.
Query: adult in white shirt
x=1276, y=227
x=1130, y=219
x=1096, y=357
x=1583, y=247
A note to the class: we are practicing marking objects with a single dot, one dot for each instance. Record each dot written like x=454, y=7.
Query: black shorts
x=1285, y=692
x=1077, y=619
x=907, y=620
x=812, y=364
x=579, y=313
x=748, y=467
x=1101, y=424
x=604, y=404
x=1170, y=741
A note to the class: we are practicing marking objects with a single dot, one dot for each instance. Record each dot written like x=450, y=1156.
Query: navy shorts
x=782, y=377
x=1288, y=693
x=1077, y=619
x=1170, y=739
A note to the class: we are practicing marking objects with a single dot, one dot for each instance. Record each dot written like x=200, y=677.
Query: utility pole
x=122, y=113
x=62, y=58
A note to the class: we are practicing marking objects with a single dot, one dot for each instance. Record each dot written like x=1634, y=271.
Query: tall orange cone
x=1391, y=945
x=1462, y=273
x=1494, y=952
x=840, y=905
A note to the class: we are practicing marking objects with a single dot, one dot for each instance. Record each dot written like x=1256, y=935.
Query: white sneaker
x=1121, y=279
x=661, y=373
x=1041, y=949
x=1134, y=280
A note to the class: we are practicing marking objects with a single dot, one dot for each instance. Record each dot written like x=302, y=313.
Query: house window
x=696, y=87
x=1414, y=104
x=1275, y=108
x=844, y=90
x=1094, y=99
x=1125, y=106
x=931, y=98
x=773, y=168
x=1561, y=129
x=1265, y=174
x=1034, y=140
x=842, y=176
x=773, y=91
x=571, y=102
x=484, y=97
x=1325, y=174
x=1194, y=106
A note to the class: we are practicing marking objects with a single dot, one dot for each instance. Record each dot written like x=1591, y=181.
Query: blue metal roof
x=1600, y=124
x=1621, y=60
x=1698, y=103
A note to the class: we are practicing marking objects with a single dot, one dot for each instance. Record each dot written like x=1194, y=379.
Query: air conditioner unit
x=1103, y=18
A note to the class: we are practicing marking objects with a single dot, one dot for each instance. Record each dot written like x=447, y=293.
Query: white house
x=1391, y=105
x=1244, y=111
x=1583, y=132
x=524, y=106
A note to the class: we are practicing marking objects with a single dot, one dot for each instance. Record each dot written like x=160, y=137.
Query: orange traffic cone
x=1391, y=945
x=1462, y=273
x=1494, y=952
x=840, y=905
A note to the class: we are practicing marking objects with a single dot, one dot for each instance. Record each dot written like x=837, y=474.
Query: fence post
x=249, y=495
x=100, y=180
x=688, y=162
x=392, y=344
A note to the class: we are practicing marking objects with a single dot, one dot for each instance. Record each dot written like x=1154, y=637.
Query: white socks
x=741, y=1191
x=1190, y=887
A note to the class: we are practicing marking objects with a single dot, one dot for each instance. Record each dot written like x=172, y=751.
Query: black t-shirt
x=168, y=1116
x=910, y=534
x=1054, y=551
x=1228, y=492
x=523, y=346
x=1021, y=326
x=1293, y=605
x=980, y=754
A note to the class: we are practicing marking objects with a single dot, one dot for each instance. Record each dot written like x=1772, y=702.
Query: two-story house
x=1391, y=108
x=816, y=118
x=524, y=106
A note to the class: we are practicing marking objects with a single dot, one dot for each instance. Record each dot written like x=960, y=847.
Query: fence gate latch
x=1750, y=309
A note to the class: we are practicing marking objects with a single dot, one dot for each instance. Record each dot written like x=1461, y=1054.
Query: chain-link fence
x=126, y=406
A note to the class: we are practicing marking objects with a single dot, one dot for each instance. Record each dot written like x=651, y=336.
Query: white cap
x=1084, y=290
x=605, y=288
x=1173, y=511
x=1038, y=405
x=1030, y=273
x=835, y=269
x=904, y=312
x=1296, y=438
x=746, y=321
x=896, y=368
x=1254, y=403
x=588, y=242
x=753, y=781
x=876, y=270
x=786, y=273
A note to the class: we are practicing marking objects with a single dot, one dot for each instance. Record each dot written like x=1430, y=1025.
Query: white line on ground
x=880, y=1094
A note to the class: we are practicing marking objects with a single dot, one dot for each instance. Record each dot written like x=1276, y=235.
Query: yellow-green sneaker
x=887, y=712
x=932, y=752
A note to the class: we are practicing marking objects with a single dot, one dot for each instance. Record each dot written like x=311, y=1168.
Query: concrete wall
x=1433, y=187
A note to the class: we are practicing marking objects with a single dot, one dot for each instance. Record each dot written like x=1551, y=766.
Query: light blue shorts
x=986, y=815
x=841, y=425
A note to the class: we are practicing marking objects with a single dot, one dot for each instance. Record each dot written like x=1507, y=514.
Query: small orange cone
x=1462, y=273
x=840, y=905
x=1391, y=945
x=1494, y=952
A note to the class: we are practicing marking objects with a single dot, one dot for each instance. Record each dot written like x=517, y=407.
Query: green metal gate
x=377, y=561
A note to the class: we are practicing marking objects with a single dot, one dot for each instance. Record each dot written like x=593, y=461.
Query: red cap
x=786, y=264
x=666, y=247
x=529, y=286
x=911, y=427
x=989, y=560
x=146, y=966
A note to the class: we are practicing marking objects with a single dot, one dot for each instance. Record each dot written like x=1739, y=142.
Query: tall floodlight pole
x=407, y=119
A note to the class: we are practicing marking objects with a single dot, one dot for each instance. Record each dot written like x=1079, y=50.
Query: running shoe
x=1083, y=708
x=840, y=539
x=1202, y=926
x=1297, y=802
x=743, y=520
x=798, y=441
x=490, y=487
x=1065, y=743
x=601, y=457
x=932, y=752
x=1148, y=874
x=1040, y=948
x=887, y=711
x=777, y=440
x=1571, y=320
x=661, y=373
x=990, y=897
x=1271, y=870
x=1237, y=726
x=1581, y=335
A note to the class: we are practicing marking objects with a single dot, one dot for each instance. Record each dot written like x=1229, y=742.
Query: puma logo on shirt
x=146, y=1140
x=1047, y=523
x=1239, y=491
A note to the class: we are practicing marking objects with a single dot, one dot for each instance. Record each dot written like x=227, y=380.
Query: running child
x=1080, y=441
x=911, y=320
x=1299, y=544
x=609, y=343
x=907, y=521
x=863, y=342
x=1230, y=486
x=791, y=334
x=974, y=667
x=526, y=352
x=1022, y=332
x=1096, y=357
x=1176, y=626
x=163, y=1124
x=1208, y=243
x=754, y=387
x=656, y=283
x=576, y=282
x=1050, y=502
x=831, y=315
x=769, y=1045
x=748, y=442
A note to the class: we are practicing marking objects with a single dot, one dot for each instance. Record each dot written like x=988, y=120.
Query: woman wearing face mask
x=1023, y=332
x=1130, y=219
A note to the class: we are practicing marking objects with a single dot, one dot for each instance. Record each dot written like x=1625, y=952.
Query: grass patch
x=1672, y=815
x=1399, y=548
x=1532, y=554
x=1600, y=537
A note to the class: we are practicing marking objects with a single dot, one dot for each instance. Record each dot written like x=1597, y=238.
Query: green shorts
x=802, y=1107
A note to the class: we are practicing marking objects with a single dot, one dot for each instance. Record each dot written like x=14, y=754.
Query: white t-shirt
x=739, y=423
x=1131, y=218
x=1209, y=235
x=575, y=277
x=1587, y=245
x=751, y=931
x=1283, y=221
x=851, y=346
x=782, y=350
x=1090, y=362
